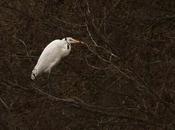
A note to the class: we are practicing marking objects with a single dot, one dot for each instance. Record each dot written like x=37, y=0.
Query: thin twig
x=4, y=104
x=71, y=24
x=90, y=35
x=25, y=47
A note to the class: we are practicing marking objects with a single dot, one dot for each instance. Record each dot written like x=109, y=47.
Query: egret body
x=51, y=56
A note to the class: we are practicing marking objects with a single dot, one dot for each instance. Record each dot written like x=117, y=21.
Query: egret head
x=71, y=40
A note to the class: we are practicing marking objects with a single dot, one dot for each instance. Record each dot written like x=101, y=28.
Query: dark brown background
x=92, y=89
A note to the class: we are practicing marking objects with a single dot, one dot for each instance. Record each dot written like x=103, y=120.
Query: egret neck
x=68, y=44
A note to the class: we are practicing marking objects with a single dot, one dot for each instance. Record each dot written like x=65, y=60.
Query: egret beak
x=77, y=41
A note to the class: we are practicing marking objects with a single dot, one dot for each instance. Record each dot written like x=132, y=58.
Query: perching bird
x=51, y=56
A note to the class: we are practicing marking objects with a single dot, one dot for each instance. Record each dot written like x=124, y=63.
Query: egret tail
x=34, y=74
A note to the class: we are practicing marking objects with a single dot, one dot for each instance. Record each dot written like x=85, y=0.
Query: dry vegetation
x=124, y=79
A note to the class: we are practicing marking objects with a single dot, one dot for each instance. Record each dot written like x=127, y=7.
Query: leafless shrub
x=123, y=78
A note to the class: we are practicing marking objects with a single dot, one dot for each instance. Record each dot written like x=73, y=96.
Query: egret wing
x=49, y=57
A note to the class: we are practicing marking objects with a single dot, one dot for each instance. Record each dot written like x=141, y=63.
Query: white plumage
x=51, y=55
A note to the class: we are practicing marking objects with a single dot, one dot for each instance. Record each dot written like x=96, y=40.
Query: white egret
x=51, y=56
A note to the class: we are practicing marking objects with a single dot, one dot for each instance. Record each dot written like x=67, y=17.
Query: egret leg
x=49, y=82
